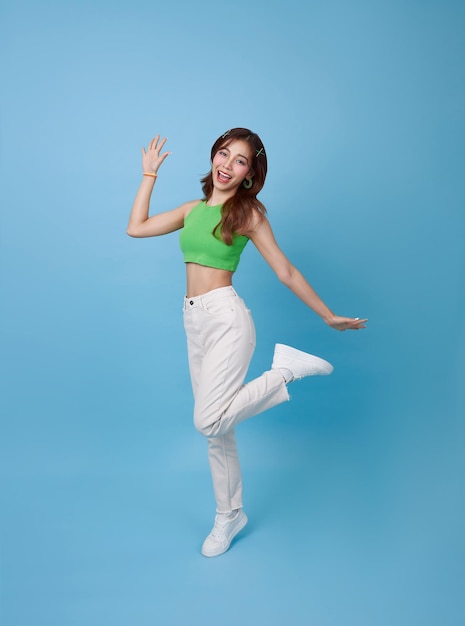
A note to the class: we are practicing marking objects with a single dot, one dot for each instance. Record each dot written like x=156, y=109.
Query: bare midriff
x=201, y=279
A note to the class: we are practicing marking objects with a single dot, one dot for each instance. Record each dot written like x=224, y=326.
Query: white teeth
x=223, y=174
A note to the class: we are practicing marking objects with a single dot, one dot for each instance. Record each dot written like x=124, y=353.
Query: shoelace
x=219, y=528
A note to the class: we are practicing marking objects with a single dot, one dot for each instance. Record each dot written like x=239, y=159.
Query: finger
x=357, y=323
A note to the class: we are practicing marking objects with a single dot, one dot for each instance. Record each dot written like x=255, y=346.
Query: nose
x=228, y=162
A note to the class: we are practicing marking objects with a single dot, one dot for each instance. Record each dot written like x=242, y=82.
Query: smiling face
x=231, y=164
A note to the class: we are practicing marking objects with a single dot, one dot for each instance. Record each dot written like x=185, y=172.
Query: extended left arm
x=263, y=238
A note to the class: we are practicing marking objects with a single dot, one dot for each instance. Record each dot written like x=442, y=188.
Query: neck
x=218, y=197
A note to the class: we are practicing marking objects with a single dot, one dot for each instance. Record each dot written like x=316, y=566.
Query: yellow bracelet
x=152, y=174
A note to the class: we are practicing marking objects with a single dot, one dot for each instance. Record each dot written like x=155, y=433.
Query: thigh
x=229, y=343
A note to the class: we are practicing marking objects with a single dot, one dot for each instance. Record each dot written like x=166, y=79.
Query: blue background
x=354, y=490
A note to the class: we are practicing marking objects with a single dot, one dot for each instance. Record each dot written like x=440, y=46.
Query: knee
x=204, y=426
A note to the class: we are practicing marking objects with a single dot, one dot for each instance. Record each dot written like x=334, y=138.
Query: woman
x=219, y=328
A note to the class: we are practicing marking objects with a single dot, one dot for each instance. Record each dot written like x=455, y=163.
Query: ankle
x=228, y=516
x=286, y=374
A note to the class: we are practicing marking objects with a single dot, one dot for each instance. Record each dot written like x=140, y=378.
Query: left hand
x=346, y=323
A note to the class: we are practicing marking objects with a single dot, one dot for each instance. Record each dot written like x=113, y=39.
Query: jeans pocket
x=221, y=306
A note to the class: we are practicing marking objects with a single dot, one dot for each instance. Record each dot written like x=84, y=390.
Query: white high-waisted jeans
x=220, y=342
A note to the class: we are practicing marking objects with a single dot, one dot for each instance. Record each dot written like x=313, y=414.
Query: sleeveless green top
x=199, y=245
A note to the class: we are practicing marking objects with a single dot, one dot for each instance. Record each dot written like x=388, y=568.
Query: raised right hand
x=151, y=158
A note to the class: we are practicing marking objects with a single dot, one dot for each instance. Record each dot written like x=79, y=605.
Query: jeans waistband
x=205, y=298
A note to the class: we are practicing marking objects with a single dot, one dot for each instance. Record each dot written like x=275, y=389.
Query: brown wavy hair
x=239, y=210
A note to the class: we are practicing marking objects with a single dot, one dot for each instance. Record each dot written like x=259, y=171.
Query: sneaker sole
x=288, y=351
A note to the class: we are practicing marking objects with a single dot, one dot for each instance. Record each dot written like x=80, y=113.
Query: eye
x=241, y=162
x=222, y=152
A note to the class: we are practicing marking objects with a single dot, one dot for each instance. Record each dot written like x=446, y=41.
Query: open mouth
x=222, y=177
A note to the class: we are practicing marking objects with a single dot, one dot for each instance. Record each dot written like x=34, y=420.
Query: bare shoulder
x=257, y=224
x=187, y=207
x=264, y=240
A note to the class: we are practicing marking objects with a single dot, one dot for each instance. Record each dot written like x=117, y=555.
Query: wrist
x=328, y=318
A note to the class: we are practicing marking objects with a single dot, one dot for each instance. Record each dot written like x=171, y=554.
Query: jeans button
x=191, y=302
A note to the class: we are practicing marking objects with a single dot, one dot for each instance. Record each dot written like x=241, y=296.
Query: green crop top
x=199, y=245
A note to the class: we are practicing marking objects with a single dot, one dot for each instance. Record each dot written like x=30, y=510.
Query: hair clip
x=259, y=152
x=225, y=134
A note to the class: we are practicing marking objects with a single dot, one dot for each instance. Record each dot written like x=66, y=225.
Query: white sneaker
x=299, y=363
x=223, y=532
